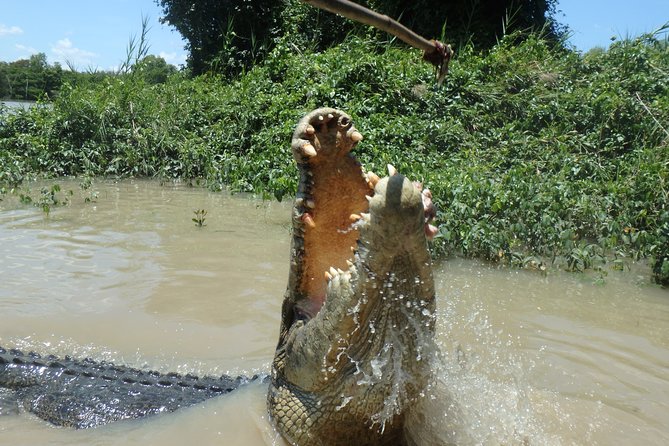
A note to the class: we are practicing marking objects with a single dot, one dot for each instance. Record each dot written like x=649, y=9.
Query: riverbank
x=537, y=156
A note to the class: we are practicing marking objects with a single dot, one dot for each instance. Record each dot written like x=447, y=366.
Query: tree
x=481, y=22
x=154, y=69
x=34, y=76
x=29, y=79
x=227, y=36
x=38, y=63
x=5, y=87
x=223, y=35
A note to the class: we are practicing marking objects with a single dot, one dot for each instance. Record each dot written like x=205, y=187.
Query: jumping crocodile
x=357, y=320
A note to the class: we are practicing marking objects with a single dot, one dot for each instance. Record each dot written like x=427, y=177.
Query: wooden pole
x=434, y=51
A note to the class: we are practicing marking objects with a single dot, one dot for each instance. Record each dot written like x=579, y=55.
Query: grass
x=536, y=155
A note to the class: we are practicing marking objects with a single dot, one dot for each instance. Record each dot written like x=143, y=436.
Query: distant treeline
x=29, y=79
x=34, y=78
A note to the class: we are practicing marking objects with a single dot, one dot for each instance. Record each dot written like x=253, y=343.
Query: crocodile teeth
x=309, y=150
x=328, y=276
x=308, y=220
x=333, y=272
x=356, y=136
x=349, y=263
x=310, y=204
x=431, y=231
x=354, y=217
x=372, y=179
x=391, y=170
x=340, y=271
x=365, y=216
x=310, y=130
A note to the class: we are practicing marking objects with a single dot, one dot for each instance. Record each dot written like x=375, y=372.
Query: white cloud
x=4, y=30
x=65, y=52
x=173, y=58
x=26, y=49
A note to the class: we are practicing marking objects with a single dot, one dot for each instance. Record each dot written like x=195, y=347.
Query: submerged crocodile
x=357, y=318
x=85, y=393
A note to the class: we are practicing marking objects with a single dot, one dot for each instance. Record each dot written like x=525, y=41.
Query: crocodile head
x=358, y=314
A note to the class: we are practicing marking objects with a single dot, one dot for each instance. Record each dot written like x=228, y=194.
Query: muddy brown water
x=524, y=358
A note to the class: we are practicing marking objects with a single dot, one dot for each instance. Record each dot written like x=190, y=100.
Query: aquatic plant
x=86, y=185
x=199, y=218
x=49, y=197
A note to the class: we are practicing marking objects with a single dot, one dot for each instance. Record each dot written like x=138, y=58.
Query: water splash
x=481, y=392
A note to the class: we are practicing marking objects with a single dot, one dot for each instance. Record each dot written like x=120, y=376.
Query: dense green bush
x=535, y=154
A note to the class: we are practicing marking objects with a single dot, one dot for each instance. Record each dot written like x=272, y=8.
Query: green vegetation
x=199, y=218
x=29, y=79
x=536, y=155
x=48, y=197
x=34, y=79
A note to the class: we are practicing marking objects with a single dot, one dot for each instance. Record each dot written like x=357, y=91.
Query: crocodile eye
x=300, y=315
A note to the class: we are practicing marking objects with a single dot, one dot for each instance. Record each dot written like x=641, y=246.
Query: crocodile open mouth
x=332, y=188
x=332, y=202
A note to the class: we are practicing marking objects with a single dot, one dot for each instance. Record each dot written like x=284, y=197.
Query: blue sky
x=88, y=33
x=594, y=22
x=95, y=33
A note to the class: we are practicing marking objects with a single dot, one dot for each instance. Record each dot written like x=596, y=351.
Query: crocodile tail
x=87, y=393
